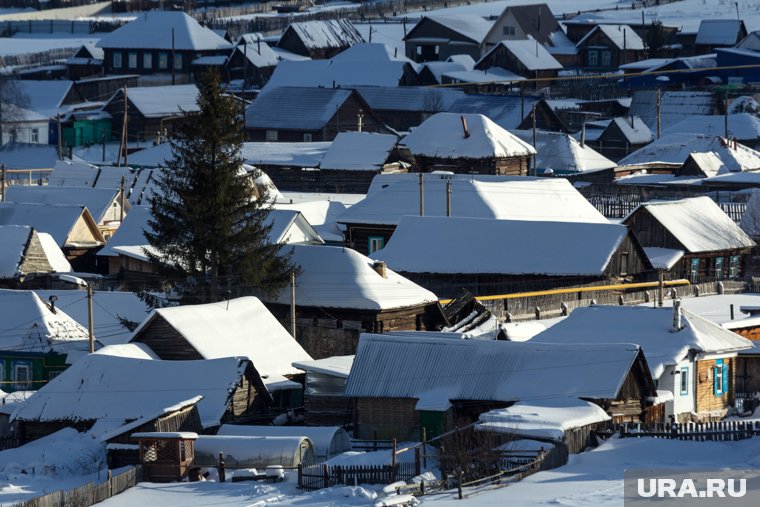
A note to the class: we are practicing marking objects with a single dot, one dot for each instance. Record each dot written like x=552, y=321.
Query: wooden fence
x=313, y=477
x=371, y=445
x=89, y=494
x=721, y=431
x=9, y=443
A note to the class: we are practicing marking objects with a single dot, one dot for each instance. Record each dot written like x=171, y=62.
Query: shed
x=166, y=456
x=714, y=33
x=328, y=441
x=254, y=452
x=324, y=392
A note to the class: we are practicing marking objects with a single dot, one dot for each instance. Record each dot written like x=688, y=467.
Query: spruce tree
x=209, y=233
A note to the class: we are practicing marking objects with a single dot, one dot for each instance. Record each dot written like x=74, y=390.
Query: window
x=720, y=378
x=117, y=60
x=35, y=135
x=271, y=135
x=719, y=268
x=606, y=58
x=593, y=57
x=54, y=374
x=684, y=380
x=177, y=62
x=733, y=266
x=375, y=243
x=694, y=270
x=22, y=376
x=508, y=30
x=147, y=60
x=307, y=138
x=623, y=263
x=132, y=60
x=163, y=60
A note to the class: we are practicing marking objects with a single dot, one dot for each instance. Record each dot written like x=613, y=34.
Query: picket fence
x=88, y=494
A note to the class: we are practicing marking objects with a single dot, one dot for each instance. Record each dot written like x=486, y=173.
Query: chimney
x=583, y=135
x=632, y=125
x=380, y=268
x=464, y=127
x=52, y=300
x=677, y=316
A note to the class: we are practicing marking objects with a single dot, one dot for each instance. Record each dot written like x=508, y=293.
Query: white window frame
x=163, y=60
x=684, y=381
x=307, y=137
x=375, y=244
x=35, y=135
x=117, y=60
x=132, y=60
x=147, y=61
x=27, y=384
x=177, y=62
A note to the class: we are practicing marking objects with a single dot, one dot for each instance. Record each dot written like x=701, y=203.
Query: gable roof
x=562, y=153
x=622, y=36
x=325, y=34
x=719, y=32
x=117, y=390
x=529, y=52
x=358, y=151
x=708, y=162
x=158, y=101
x=45, y=97
x=257, y=51
x=131, y=232
x=698, y=224
x=290, y=227
x=674, y=106
x=741, y=126
x=636, y=133
x=97, y=200
x=249, y=330
x=487, y=246
x=471, y=27
x=409, y=98
x=28, y=156
x=389, y=367
x=296, y=108
x=340, y=73
x=441, y=136
x=536, y=20
x=507, y=111
x=390, y=197
x=27, y=324
x=13, y=243
x=751, y=41
x=650, y=328
x=338, y=277
x=57, y=220
x=153, y=30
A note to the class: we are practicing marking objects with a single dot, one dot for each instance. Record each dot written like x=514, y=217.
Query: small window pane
x=117, y=60
x=147, y=61
x=132, y=60
x=163, y=60
x=177, y=62
x=685, y=380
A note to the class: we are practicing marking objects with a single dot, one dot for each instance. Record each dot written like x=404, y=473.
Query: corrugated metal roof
x=331, y=33
x=721, y=32
x=295, y=108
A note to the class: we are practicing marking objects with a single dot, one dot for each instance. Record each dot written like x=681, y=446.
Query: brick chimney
x=380, y=268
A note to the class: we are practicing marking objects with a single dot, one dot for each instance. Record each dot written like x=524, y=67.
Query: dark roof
x=536, y=20
x=295, y=108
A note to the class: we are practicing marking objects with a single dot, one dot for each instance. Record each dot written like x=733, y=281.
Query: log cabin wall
x=166, y=341
x=387, y=418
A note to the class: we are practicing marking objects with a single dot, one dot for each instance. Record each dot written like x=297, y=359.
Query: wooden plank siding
x=387, y=418
x=505, y=59
x=507, y=166
x=165, y=341
x=706, y=399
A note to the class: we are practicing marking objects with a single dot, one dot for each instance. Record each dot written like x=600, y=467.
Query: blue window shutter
x=725, y=377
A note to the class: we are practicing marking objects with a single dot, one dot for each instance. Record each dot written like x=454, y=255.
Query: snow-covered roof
x=258, y=53
x=563, y=153
x=663, y=258
x=741, y=126
x=284, y=154
x=409, y=98
x=27, y=324
x=155, y=30
x=44, y=97
x=708, y=162
x=28, y=156
x=542, y=419
x=340, y=73
x=391, y=196
x=358, y=151
x=390, y=367
x=290, y=227
x=437, y=69
x=698, y=224
x=295, y=108
x=159, y=101
x=248, y=328
x=133, y=350
x=338, y=277
x=130, y=232
x=117, y=390
x=446, y=245
x=676, y=148
x=67, y=173
x=530, y=53
x=326, y=34
x=651, y=328
x=718, y=32
x=634, y=129
x=56, y=220
x=336, y=366
x=674, y=106
x=622, y=36
x=717, y=308
x=490, y=75
x=504, y=110
x=97, y=200
x=442, y=136
x=472, y=27
x=320, y=214
x=13, y=242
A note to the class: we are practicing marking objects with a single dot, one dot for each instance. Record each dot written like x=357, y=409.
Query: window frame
x=147, y=60
x=271, y=136
x=719, y=377
x=26, y=385
x=163, y=60
x=132, y=60
x=684, y=381
x=694, y=269
x=34, y=135
x=592, y=58
x=606, y=59
x=177, y=61
x=374, y=240
x=117, y=60
x=733, y=266
x=308, y=137
x=718, y=265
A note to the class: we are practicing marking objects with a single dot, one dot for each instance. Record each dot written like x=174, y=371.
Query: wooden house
x=368, y=225
x=293, y=114
x=431, y=251
x=251, y=60
x=72, y=227
x=719, y=33
x=521, y=22
x=319, y=39
x=692, y=359
x=674, y=150
x=526, y=58
x=324, y=400
x=674, y=106
x=561, y=154
x=151, y=110
x=619, y=137
x=739, y=127
x=27, y=253
x=607, y=47
x=701, y=165
x=467, y=143
x=159, y=42
x=465, y=378
x=436, y=38
x=86, y=62
x=192, y=332
x=114, y=396
x=35, y=338
x=340, y=293
x=713, y=246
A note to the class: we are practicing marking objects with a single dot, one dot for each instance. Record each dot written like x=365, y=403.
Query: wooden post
x=60, y=140
x=104, y=146
x=660, y=287
x=325, y=476
x=173, y=56
x=725, y=115
x=459, y=484
x=417, y=461
x=300, y=475
x=122, y=188
x=2, y=182
x=534, y=139
x=90, y=323
x=422, y=195
x=221, y=467
x=448, y=198
x=125, y=131
x=659, y=114
x=393, y=455
x=293, y=304
x=424, y=447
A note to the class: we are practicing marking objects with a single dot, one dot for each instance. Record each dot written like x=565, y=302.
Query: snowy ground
x=37, y=42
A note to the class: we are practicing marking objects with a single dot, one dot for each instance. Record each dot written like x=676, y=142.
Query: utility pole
x=122, y=187
x=173, y=56
x=293, y=304
x=659, y=114
x=448, y=198
x=2, y=182
x=60, y=141
x=725, y=115
x=534, y=139
x=90, y=320
x=104, y=146
x=124, y=130
x=422, y=195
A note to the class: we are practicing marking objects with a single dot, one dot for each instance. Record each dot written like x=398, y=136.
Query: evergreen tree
x=209, y=233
